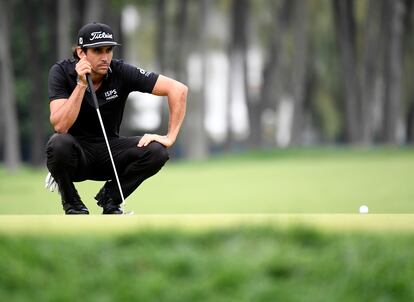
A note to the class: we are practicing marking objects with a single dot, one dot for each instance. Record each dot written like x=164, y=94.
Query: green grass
x=109, y=225
x=187, y=242
x=284, y=181
x=233, y=264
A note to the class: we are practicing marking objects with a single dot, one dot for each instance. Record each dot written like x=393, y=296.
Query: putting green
x=322, y=181
x=108, y=225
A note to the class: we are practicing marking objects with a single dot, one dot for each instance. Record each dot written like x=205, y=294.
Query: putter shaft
x=95, y=100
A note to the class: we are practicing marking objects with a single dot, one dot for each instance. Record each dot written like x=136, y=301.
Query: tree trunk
x=179, y=66
x=94, y=11
x=345, y=32
x=37, y=101
x=372, y=80
x=195, y=141
x=393, y=131
x=299, y=70
x=408, y=32
x=78, y=17
x=410, y=124
x=7, y=93
x=237, y=71
x=63, y=29
x=181, y=36
x=274, y=74
x=50, y=53
x=201, y=140
x=161, y=44
x=113, y=17
x=161, y=36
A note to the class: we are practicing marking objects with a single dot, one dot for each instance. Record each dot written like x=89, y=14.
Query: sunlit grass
x=292, y=181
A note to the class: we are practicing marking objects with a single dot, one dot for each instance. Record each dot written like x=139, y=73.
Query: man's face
x=100, y=58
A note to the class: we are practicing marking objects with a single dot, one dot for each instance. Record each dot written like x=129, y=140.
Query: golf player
x=77, y=150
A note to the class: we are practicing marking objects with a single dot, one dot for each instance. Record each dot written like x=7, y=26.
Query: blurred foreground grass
x=236, y=263
x=330, y=180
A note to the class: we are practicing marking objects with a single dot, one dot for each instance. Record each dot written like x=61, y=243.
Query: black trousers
x=71, y=159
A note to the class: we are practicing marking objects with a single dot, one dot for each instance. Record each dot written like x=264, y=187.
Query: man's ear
x=80, y=52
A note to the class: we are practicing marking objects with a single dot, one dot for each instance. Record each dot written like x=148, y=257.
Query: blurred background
x=314, y=96
x=262, y=74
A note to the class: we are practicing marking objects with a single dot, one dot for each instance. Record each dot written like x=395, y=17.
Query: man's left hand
x=162, y=139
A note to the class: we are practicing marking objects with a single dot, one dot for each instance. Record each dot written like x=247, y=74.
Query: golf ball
x=363, y=209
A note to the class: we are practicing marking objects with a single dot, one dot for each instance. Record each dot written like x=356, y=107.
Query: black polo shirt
x=121, y=79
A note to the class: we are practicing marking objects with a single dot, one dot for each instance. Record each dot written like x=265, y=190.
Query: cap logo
x=80, y=40
x=100, y=35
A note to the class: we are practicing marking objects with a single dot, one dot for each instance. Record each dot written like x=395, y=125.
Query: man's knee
x=59, y=147
x=159, y=154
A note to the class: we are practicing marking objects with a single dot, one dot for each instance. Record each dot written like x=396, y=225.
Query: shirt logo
x=111, y=94
x=144, y=72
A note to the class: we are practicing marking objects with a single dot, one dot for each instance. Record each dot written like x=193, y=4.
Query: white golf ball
x=363, y=209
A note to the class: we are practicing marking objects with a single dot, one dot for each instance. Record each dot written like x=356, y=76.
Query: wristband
x=80, y=83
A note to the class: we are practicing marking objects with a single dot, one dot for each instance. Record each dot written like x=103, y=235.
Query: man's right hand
x=82, y=68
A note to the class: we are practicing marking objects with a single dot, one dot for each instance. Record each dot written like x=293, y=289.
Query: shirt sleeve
x=137, y=79
x=57, y=84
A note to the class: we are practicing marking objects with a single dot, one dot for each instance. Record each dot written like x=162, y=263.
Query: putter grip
x=92, y=90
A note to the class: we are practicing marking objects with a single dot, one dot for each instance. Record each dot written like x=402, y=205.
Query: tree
x=7, y=93
x=274, y=80
x=238, y=64
x=161, y=44
x=345, y=26
x=255, y=105
x=299, y=69
x=408, y=57
x=181, y=25
x=161, y=36
x=63, y=29
x=94, y=11
x=372, y=74
x=393, y=132
x=195, y=142
x=36, y=73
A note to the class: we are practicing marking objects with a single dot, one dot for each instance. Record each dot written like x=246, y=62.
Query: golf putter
x=95, y=101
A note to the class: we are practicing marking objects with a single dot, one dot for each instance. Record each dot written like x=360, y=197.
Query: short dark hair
x=75, y=53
